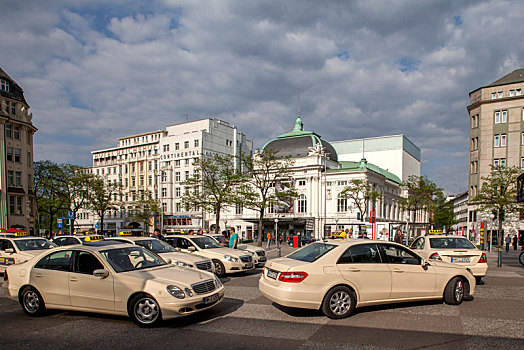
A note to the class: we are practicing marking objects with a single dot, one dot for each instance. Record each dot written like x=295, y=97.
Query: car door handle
x=398, y=270
x=73, y=279
x=352, y=269
x=38, y=275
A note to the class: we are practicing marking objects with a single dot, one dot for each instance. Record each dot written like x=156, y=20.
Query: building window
x=150, y=180
x=518, y=92
x=10, y=107
x=302, y=203
x=9, y=131
x=186, y=144
x=177, y=192
x=499, y=95
x=511, y=93
x=4, y=85
x=15, y=205
x=239, y=209
x=177, y=162
x=164, y=192
x=18, y=155
x=10, y=178
x=496, y=141
x=177, y=146
x=522, y=163
x=196, y=143
x=503, y=138
x=18, y=178
x=186, y=161
x=16, y=132
x=302, y=182
x=342, y=203
x=493, y=95
x=177, y=176
x=500, y=162
x=187, y=175
x=164, y=176
x=342, y=183
x=522, y=138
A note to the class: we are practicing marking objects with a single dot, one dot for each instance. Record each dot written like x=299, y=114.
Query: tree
x=48, y=189
x=214, y=185
x=75, y=184
x=443, y=214
x=100, y=197
x=421, y=193
x=498, y=194
x=362, y=194
x=143, y=209
x=266, y=170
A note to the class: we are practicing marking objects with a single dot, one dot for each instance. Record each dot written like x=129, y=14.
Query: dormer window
x=4, y=85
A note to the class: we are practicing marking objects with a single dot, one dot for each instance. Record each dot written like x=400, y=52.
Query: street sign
x=70, y=215
x=96, y=225
x=60, y=225
x=59, y=221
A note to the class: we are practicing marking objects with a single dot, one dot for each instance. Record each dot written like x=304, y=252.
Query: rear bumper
x=291, y=294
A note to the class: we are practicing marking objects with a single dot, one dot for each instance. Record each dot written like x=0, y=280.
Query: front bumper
x=232, y=266
x=183, y=307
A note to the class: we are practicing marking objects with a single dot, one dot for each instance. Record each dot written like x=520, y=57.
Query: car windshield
x=311, y=252
x=131, y=259
x=205, y=242
x=155, y=245
x=34, y=244
x=450, y=243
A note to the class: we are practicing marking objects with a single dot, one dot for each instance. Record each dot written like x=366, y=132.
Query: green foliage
x=214, y=185
x=101, y=197
x=421, y=194
x=443, y=213
x=361, y=193
x=143, y=208
x=266, y=170
x=498, y=193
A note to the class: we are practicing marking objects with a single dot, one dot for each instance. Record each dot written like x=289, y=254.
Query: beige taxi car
x=258, y=253
x=167, y=251
x=457, y=250
x=337, y=276
x=17, y=248
x=226, y=260
x=76, y=239
x=119, y=279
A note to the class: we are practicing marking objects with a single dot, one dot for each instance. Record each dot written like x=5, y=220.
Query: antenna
x=363, y=144
x=299, y=102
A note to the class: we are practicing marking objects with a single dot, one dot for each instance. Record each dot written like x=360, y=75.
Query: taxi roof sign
x=21, y=234
x=94, y=238
x=125, y=233
x=435, y=232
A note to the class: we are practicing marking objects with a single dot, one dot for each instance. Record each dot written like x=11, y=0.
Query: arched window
x=302, y=203
x=342, y=203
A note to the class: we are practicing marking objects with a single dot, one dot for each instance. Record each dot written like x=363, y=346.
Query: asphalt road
x=246, y=320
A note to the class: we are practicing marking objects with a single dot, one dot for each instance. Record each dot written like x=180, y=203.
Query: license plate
x=272, y=274
x=459, y=260
x=248, y=266
x=210, y=299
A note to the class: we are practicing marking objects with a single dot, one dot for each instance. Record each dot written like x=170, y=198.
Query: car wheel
x=32, y=302
x=454, y=292
x=220, y=269
x=339, y=302
x=144, y=311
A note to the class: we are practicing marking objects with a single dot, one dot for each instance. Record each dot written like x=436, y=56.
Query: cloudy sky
x=93, y=71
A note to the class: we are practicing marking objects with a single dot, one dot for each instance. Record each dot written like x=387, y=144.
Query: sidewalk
x=510, y=259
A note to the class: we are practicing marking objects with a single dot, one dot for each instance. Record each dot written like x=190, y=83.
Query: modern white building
x=156, y=163
x=320, y=175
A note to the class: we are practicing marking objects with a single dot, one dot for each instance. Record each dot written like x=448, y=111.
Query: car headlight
x=176, y=292
x=218, y=282
x=180, y=263
x=230, y=258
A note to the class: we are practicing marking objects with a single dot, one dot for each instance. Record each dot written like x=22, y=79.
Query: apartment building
x=496, y=113
x=154, y=165
x=17, y=200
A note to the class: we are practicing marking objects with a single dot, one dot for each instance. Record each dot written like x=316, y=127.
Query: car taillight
x=435, y=256
x=483, y=258
x=293, y=277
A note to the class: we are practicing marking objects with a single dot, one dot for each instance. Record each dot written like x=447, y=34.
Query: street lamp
x=499, y=237
x=276, y=236
x=492, y=217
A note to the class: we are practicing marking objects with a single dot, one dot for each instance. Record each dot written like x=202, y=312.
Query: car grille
x=261, y=253
x=246, y=258
x=204, y=265
x=204, y=287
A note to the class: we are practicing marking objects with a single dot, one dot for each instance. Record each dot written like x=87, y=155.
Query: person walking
x=515, y=241
x=397, y=238
x=233, y=238
x=268, y=239
x=508, y=241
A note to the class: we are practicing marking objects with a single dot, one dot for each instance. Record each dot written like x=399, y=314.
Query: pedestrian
x=515, y=240
x=233, y=238
x=191, y=232
x=268, y=239
x=347, y=233
x=508, y=241
x=224, y=239
x=396, y=239
x=157, y=234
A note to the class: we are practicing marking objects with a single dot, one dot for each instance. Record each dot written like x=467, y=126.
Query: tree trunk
x=102, y=222
x=260, y=228
x=217, y=223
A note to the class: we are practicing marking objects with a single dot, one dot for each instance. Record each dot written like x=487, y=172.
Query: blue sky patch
x=458, y=20
x=344, y=55
x=408, y=64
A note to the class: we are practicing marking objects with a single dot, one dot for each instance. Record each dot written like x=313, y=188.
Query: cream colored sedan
x=226, y=260
x=258, y=253
x=17, y=249
x=167, y=251
x=457, y=250
x=119, y=279
x=338, y=276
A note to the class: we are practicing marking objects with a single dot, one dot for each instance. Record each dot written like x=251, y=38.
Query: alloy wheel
x=31, y=301
x=340, y=303
x=146, y=310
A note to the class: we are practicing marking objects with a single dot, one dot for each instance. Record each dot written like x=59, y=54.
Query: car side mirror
x=101, y=273
x=191, y=249
x=168, y=261
x=424, y=263
x=9, y=250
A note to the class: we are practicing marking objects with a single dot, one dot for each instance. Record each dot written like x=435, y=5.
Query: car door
x=409, y=279
x=50, y=276
x=86, y=290
x=184, y=244
x=361, y=265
